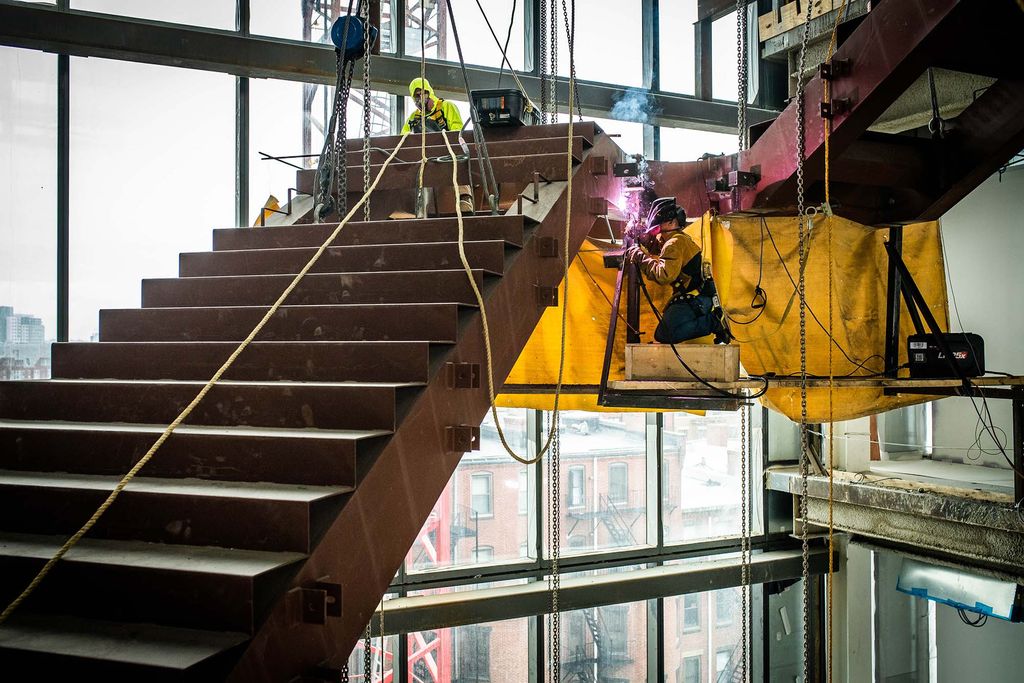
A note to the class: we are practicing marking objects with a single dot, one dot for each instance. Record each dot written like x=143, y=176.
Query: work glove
x=634, y=254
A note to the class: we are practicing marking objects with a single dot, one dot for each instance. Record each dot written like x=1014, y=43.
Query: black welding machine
x=927, y=358
x=504, y=107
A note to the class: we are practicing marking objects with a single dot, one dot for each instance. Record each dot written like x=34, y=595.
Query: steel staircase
x=257, y=543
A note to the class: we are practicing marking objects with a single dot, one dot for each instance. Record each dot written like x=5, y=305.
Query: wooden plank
x=713, y=363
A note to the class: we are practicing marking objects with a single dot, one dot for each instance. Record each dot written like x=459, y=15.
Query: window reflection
x=603, y=481
x=702, y=637
x=477, y=653
x=604, y=643
x=485, y=513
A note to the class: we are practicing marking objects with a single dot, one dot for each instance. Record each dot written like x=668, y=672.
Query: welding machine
x=927, y=359
x=504, y=107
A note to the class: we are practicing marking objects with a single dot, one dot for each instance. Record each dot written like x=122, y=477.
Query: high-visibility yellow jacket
x=445, y=114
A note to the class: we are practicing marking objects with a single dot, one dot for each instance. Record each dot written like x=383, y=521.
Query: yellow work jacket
x=677, y=249
x=444, y=114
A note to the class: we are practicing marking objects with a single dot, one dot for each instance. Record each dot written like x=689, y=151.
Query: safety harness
x=437, y=116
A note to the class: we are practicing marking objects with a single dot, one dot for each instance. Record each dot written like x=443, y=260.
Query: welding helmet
x=663, y=209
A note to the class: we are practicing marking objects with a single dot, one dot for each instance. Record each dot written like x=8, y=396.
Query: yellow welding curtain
x=746, y=252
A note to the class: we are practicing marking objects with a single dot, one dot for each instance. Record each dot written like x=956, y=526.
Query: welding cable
x=741, y=397
x=77, y=536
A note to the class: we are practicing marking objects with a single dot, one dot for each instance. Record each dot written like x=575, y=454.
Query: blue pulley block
x=351, y=45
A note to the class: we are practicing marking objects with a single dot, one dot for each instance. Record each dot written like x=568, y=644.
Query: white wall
x=992, y=653
x=984, y=238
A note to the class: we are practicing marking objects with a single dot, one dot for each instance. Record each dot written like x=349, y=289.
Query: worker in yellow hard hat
x=439, y=114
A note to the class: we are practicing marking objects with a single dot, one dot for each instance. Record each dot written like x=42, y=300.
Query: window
x=618, y=482
x=483, y=554
x=473, y=653
x=524, y=495
x=691, y=669
x=577, y=484
x=722, y=656
x=691, y=612
x=616, y=622
x=482, y=494
x=725, y=607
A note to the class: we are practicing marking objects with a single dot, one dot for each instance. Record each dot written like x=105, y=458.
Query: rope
x=423, y=122
x=831, y=380
x=801, y=289
x=504, y=56
x=77, y=536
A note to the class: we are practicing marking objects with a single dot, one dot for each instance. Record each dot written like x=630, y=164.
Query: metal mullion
x=398, y=25
x=242, y=15
x=655, y=640
x=63, y=192
x=531, y=37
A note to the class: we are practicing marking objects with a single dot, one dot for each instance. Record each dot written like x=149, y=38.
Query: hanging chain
x=367, y=100
x=340, y=137
x=553, y=54
x=555, y=544
x=744, y=540
x=383, y=641
x=570, y=34
x=543, y=40
x=804, y=433
x=367, y=655
x=741, y=81
x=343, y=674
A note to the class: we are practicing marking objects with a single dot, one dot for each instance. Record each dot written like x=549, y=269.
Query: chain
x=542, y=38
x=553, y=82
x=340, y=137
x=570, y=34
x=343, y=674
x=367, y=99
x=741, y=63
x=744, y=540
x=383, y=640
x=804, y=433
x=555, y=544
x=367, y=656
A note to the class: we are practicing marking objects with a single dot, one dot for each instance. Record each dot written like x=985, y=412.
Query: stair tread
x=201, y=383
x=374, y=273
x=144, y=555
x=175, y=487
x=129, y=643
x=198, y=430
x=353, y=247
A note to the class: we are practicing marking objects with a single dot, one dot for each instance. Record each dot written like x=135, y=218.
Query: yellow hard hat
x=421, y=84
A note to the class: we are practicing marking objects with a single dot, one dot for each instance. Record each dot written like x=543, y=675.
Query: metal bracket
x=743, y=179
x=547, y=247
x=597, y=206
x=629, y=169
x=546, y=296
x=462, y=438
x=837, y=68
x=320, y=601
x=834, y=108
x=462, y=375
x=598, y=165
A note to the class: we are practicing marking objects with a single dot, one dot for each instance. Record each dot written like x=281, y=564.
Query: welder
x=670, y=257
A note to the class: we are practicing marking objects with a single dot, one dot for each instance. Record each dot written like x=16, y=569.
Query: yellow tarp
x=743, y=251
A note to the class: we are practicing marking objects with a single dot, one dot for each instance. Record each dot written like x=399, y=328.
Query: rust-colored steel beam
x=877, y=178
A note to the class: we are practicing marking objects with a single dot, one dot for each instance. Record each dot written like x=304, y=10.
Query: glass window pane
x=684, y=144
x=477, y=519
x=210, y=13
x=311, y=21
x=28, y=235
x=593, y=516
x=288, y=118
x=697, y=642
x=723, y=58
x=478, y=46
x=617, y=56
x=152, y=172
x=478, y=653
x=382, y=660
x=677, y=45
x=604, y=643
x=701, y=461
